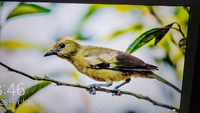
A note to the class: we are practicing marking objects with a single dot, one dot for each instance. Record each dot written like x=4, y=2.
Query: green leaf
x=23, y=9
x=182, y=44
x=161, y=32
x=122, y=31
x=91, y=10
x=75, y=75
x=30, y=92
x=14, y=44
x=157, y=33
x=9, y=111
x=1, y=3
x=2, y=104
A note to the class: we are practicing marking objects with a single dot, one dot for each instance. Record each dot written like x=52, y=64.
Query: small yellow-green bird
x=105, y=64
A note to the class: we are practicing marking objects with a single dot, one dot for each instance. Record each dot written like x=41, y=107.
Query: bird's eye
x=62, y=45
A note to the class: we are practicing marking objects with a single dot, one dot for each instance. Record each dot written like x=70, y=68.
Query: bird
x=105, y=64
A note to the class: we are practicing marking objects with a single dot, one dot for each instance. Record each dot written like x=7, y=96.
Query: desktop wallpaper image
x=30, y=29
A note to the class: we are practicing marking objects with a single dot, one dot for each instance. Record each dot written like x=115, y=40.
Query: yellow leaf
x=12, y=45
x=75, y=76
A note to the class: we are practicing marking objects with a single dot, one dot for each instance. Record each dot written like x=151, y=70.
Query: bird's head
x=64, y=48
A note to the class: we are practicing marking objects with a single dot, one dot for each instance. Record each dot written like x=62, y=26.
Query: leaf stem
x=179, y=29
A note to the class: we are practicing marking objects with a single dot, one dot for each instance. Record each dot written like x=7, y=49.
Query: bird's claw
x=117, y=92
x=92, y=90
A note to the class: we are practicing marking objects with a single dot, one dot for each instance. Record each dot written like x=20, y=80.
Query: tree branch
x=89, y=88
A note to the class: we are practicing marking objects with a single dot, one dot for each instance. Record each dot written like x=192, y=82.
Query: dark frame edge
x=134, y=2
x=190, y=66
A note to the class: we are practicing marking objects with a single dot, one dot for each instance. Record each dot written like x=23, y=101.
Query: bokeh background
x=28, y=32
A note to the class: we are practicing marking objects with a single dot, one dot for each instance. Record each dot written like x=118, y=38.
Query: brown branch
x=89, y=88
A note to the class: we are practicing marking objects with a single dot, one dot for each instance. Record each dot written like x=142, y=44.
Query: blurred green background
x=29, y=30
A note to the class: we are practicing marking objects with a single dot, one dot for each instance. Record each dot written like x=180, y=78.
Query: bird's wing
x=116, y=60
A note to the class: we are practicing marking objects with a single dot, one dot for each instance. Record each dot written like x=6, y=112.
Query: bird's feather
x=115, y=60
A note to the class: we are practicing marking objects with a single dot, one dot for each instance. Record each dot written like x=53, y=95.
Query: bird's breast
x=104, y=74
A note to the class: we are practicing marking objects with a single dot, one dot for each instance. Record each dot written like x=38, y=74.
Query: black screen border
x=188, y=102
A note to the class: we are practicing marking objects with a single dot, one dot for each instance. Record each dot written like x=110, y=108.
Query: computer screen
x=141, y=47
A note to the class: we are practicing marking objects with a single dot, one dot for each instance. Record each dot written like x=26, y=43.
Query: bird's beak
x=51, y=52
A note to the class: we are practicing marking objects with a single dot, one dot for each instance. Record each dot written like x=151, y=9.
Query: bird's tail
x=165, y=82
